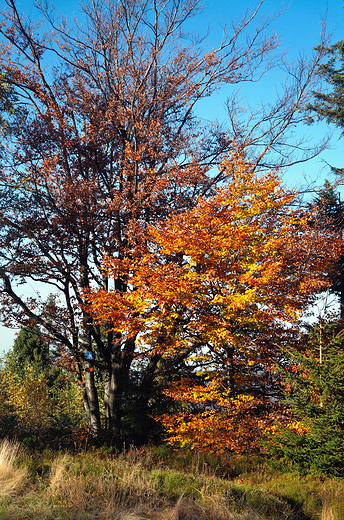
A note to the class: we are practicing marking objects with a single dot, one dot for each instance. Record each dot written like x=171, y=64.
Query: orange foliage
x=222, y=285
x=216, y=421
x=105, y=141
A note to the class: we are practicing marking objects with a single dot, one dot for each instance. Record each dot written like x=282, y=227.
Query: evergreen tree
x=330, y=207
x=314, y=437
x=30, y=348
x=330, y=105
x=331, y=216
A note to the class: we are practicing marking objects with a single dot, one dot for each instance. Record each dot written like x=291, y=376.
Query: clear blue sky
x=299, y=30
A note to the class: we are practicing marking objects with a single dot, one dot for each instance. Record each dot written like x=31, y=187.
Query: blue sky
x=299, y=30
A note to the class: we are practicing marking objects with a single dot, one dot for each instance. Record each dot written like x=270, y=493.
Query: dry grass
x=107, y=491
x=333, y=504
x=11, y=477
x=92, y=486
x=214, y=508
x=123, y=490
x=58, y=473
x=327, y=512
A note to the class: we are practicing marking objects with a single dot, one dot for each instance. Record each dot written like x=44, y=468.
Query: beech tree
x=222, y=287
x=108, y=141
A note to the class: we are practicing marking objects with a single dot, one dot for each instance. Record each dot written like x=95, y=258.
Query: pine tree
x=313, y=439
x=331, y=216
x=330, y=105
x=30, y=348
x=330, y=207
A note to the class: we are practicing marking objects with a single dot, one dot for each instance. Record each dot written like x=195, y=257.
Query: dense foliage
x=110, y=142
x=179, y=266
x=40, y=402
x=314, y=386
x=220, y=288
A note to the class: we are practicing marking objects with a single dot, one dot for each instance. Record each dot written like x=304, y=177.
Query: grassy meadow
x=157, y=484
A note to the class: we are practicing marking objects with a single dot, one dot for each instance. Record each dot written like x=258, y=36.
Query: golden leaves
x=230, y=275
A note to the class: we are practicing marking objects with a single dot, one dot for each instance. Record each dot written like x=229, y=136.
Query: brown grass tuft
x=332, y=505
x=58, y=474
x=327, y=512
x=11, y=478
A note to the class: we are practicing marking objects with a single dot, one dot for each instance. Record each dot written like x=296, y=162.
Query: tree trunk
x=111, y=401
x=92, y=407
x=116, y=382
x=90, y=395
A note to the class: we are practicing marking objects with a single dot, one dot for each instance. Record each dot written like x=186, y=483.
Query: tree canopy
x=108, y=144
x=221, y=288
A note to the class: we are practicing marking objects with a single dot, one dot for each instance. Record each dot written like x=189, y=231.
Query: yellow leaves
x=28, y=397
x=235, y=257
x=297, y=427
x=226, y=424
x=219, y=283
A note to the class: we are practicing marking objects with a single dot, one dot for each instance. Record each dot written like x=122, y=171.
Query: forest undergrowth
x=157, y=484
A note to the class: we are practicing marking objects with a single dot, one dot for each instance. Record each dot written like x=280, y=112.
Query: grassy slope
x=150, y=484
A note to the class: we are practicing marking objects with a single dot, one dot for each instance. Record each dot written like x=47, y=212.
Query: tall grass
x=11, y=477
x=141, y=485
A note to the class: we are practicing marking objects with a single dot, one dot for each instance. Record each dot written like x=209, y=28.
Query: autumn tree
x=108, y=142
x=37, y=412
x=40, y=399
x=222, y=287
